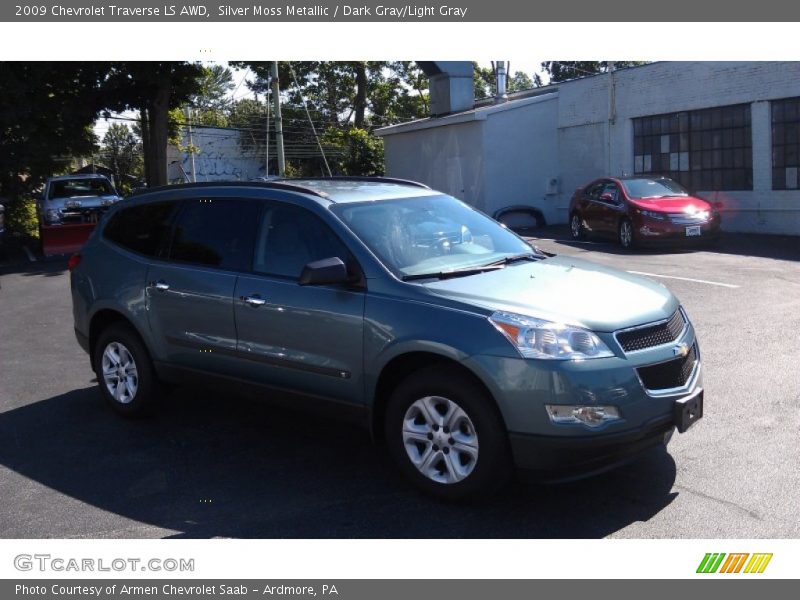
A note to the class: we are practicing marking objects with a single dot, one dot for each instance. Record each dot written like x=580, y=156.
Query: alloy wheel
x=119, y=373
x=440, y=439
x=626, y=234
x=575, y=226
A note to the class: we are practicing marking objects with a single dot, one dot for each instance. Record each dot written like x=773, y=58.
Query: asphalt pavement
x=212, y=464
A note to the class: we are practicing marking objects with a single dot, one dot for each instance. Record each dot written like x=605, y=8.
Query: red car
x=639, y=210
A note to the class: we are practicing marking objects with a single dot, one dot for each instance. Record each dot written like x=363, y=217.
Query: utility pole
x=276, y=98
x=191, y=144
x=266, y=159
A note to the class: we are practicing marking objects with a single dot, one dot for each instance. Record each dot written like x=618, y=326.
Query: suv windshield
x=69, y=188
x=653, y=188
x=430, y=234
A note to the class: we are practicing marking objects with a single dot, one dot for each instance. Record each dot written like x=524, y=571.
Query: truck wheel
x=125, y=372
x=446, y=436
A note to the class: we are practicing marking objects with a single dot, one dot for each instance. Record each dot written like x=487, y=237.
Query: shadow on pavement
x=47, y=267
x=776, y=247
x=212, y=465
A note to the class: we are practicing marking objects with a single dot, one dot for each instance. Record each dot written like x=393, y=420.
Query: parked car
x=72, y=199
x=69, y=207
x=642, y=210
x=463, y=349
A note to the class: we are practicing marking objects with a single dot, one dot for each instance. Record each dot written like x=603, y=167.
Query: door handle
x=160, y=285
x=254, y=300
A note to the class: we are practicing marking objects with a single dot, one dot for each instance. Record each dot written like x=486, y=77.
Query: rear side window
x=216, y=233
x=142, y=228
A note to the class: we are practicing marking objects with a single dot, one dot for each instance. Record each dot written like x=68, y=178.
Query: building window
x=709, y=149
x=785, y=144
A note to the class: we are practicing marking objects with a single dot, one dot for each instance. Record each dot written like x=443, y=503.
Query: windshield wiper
x=455, y=272
x=515, y=257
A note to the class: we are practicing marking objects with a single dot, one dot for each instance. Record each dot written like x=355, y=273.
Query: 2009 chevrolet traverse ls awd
x=464, y=349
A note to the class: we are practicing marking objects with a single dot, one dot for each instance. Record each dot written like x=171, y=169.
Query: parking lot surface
x=211, y=464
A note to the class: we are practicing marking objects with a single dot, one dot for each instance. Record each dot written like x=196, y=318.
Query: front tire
x=125, y=372
x=446, y=436
x=625, y=234
x=576, y=228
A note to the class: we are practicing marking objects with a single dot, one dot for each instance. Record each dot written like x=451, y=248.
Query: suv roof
x=333, y=189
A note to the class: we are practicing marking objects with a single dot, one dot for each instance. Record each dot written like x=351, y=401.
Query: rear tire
x=125, y=373
x=625, y=234
x=576, y=228
x=446, y=436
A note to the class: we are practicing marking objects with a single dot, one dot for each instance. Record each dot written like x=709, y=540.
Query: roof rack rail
x=396, y=180
x=280, y=184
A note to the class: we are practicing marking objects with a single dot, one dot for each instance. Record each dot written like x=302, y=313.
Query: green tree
x=359, y=153
x=211, y=104
x=484, y=80
x=46, y=115
x=340, y=96
x=154, y=89
x=520, y=81
x=565, y=70
x=122, y=151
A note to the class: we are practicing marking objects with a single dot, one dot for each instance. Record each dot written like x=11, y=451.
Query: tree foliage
x=46, y=113
x=122, y=152
x=564, y=70
x=153, y=89
x=346, y=100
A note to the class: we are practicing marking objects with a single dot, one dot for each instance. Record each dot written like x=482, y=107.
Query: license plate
x=688, y=411
x=693, y=230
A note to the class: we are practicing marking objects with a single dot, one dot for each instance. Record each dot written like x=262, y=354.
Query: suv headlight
x=653, y=215
x=537, y=338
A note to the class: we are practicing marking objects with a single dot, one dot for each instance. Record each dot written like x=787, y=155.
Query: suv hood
x=564, y=289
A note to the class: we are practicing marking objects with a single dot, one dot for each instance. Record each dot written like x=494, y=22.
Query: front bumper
x=556, y=458
x=650, y=231
x=523, y=388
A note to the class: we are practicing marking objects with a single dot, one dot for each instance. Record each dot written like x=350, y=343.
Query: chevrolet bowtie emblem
x=680, y=350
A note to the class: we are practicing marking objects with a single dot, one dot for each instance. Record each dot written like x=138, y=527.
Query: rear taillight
x=74, y=261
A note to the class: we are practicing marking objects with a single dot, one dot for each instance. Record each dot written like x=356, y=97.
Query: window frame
x=784, y=123
x=708, y=149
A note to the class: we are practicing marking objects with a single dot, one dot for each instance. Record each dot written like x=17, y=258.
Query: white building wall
x=592, y=136
x=219, y=157
x=450, y=159
x=520, y=157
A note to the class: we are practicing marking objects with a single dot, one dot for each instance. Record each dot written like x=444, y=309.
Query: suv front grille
x=671, y=374
x=652, y=335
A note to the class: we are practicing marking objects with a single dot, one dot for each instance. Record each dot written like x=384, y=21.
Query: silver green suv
x=466, y=351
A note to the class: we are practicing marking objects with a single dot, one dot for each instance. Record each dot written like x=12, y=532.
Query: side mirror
x=327, y=271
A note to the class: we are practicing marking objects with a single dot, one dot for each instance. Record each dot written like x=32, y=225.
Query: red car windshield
x=639, y=189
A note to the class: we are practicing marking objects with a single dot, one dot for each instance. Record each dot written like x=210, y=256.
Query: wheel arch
x=102, y=320
x=404, y=365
